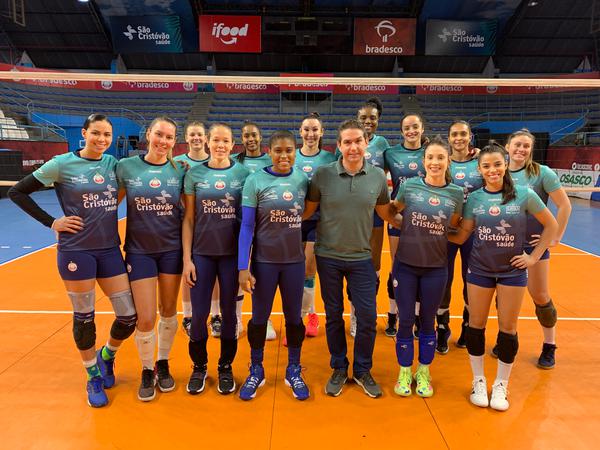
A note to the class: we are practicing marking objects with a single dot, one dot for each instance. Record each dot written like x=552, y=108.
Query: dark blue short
x=149, y=265
x=377, y=221
x=309, y=230
x=393, y=231
x=546, y=254
x=90, y=264
x=519, y=280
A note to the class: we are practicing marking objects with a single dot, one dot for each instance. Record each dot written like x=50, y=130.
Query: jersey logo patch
x=439, y=217
x=164, y=195
x=219, y=184
x=413, y=166
x=460, y=176
x=503, y=226
x=72, y=266
x=98, y=179
x=494, y=210
x=307, y=169
x=296, y=209
x=287, y=195
x=109, y=191
x=228, y=199
x=155, y=183
x=434, y=201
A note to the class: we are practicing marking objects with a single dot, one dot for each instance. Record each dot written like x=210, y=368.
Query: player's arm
x=187, y=234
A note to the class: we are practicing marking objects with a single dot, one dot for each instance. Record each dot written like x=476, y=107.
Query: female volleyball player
x=498, y=263
x=430, y=204
x=273, y=202
x=213, y=193
x=153, y=184
x=88, y=245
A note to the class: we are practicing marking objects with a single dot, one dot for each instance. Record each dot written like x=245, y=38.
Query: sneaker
x=271, y=334
x=215, y=326
x=417, y=327
x=226, y=383
x=352, y=324
x=107, y=369
x=546, y=359
x=479, y=396
x=147, y=392
x=312, y=325
x=186, y=324
x=494, y=353
x=336, y=383
x=366, y=381
x=255, y=380
x=461, y=342
x=443, y=334
x=293, y=379
x=423, y=380
x=166, y=383
x=197, y=380
x=390, y=331
x=95, y=392
x=499, y=400
x=403, y=386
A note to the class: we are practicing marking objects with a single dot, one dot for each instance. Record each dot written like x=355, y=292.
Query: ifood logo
x=385, y=30
x=222, y=32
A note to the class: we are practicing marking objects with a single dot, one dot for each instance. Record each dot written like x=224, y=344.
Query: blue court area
x=20, y=234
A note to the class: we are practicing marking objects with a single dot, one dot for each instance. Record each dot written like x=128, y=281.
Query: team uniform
x=420, y=264
x=272, y=215
x=191, y=161
x=254, y=163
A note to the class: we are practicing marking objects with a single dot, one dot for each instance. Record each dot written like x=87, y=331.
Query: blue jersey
x=403, y=164
x=466, y=175
x=153, y=205
x=427, y=213
x=218, y=195
x=86, y=188
x=309, y=164
x=375, y=150
x=254, y=163
x=547, y=181
x=500, y=230
x=191, y=161
x=279, y=203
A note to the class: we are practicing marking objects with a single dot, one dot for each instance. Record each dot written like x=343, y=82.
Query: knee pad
x=508, y=345
x=257, y=335
x=295, y=334
x=390, y=286
x=475, y=341
x=84, y=333
x=547, y=314
x=123, y=327
x=83, y=304
x=126, y=317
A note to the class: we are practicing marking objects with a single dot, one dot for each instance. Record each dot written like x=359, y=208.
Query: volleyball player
x=273, y=202
x=88, y=245
x=430, y=205
x=153, y=183
x=498, y=263
x=213, y=193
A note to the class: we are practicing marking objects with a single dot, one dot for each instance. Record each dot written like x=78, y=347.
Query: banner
x=230, y=34
x=35, y=153
x=304, y=87
x=162, y=86
x=243, y=88
x=373, y=89
x=576, y=167
x=65, y=84
x=384, y=36
x=469, y=38
x=146, y=34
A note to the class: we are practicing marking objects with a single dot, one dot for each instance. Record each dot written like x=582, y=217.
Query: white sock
x=417, y=308
x=187, y=308
x=352, y=310
x=145, y=341
x=215, y=308
x=503, y=372
x=477, y=366
x=238, y=309
x=549, y=335
x=90, y=363
x=308, y=301
x=167, y=327
x=112, y=348
x=393, y=306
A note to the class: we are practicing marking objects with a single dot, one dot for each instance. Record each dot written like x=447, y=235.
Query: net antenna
x=15, y=11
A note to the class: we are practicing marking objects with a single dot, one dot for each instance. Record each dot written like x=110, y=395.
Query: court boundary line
x=577, y=248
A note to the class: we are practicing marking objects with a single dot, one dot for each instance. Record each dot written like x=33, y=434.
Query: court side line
x=27, y=254
x=577, y=248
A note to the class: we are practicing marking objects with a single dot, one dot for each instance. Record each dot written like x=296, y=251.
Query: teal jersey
x=544, y=183
x=403, y=164
x=86, y=188
x=254, y=163
x=279, y=203
x=375, y=150
x=466, y=175
x=153, y=205
x=191, y=161
x=218, y=195
x=427, y=213
x=500, y=230
x=309, y=164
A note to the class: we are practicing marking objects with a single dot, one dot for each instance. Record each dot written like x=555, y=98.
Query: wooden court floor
x=43, y=403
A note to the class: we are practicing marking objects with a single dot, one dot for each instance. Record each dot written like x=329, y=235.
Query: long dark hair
x=441, y=142
x=247, y=123
x=314, y=115
x=508, y=186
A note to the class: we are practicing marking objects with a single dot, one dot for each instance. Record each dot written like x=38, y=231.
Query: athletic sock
x=238, y=307
x=167, y=328
x=308, y=296
x=477, y=366
x=257, y=356
x=215, y=310
x=187, y=308
x=549, y=335
x=108, y=352
x=294, y=355
x=92, y=369
x=145, y=342
x=503, y=372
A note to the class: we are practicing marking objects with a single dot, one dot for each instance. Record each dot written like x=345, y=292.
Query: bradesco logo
x=384, y=36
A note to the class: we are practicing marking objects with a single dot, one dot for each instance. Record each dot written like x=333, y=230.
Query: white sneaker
x=271, y=335
x=499, y=400
x=352, y=324
x=479, y=396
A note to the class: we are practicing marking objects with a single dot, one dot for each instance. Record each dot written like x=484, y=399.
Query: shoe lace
x=338, y=375
x=147, y=376
x=422, y=378
x=162, y=369
x=500, y=389
x=96, y=384
x=479, y=387
x=295, y=378
x=405, y=377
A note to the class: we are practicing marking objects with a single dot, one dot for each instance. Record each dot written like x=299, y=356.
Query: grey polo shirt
x=347, y=203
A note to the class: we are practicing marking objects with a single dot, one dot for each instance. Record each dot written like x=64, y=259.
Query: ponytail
x=508, y=186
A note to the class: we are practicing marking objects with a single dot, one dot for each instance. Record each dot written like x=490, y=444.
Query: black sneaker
x=546, y=359
x=390, y=331
x=366, y=381
x=215, y=326
x=147, y=390
x=166, y=383
x=494, y=353
x=443, y=334
x=336, y=382
x=226, y=383
x=417, y=327
x=186, y=324
x=196, y=383
x=461, y=342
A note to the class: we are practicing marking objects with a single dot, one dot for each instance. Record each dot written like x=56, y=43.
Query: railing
x=17, y=132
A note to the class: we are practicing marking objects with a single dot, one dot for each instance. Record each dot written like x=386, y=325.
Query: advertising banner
x=146, y=34
x=384, y=36
x=230, y=34
x=305, y=87
x=65, y=84
x=454, y=38
x=243, y=88
x=35, y=153
x=577, y=167
x=162, y=86
x=374, y=89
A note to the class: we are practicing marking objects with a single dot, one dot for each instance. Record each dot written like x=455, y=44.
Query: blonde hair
x=172, y=122
x=531, y=167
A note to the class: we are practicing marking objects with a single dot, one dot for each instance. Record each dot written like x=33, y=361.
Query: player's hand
x=67, y=224
x=189, y=273
x=185, y=165
x=397, y=223
x=246, y=281
x=522, y=261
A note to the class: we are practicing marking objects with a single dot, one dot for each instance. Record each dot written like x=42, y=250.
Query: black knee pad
x=257, y=335
x=228, y=351
x=390, y=286
x=198, y=353
x=123, y=327
x=475, y=341
x=84, y=333
x=508, y=346
x=295, y=334
x=547, y=314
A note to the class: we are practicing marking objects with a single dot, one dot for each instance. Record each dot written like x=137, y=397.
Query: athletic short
x=519, y=280
x=90, y=264
x=393, y=231
x=149, y=265
x=546, y=254
x=309, y=230
x=377, y=221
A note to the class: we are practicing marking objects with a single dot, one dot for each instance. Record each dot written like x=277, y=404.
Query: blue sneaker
x=255, y=380
x=107, y=369
x=96, y=396
x=293, y=379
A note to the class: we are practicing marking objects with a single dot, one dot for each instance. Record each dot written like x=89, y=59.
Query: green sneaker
x=423, y=379
x=403, y=386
